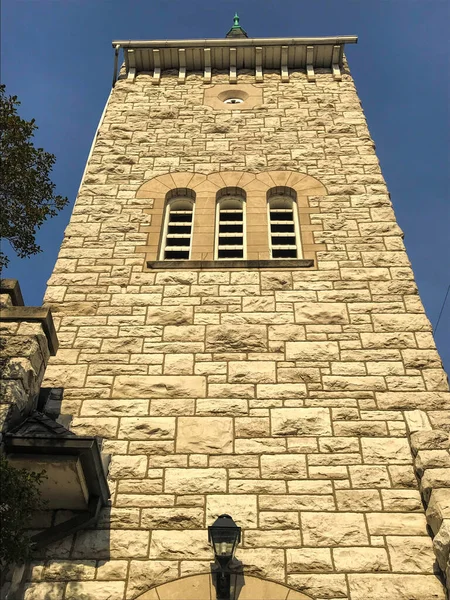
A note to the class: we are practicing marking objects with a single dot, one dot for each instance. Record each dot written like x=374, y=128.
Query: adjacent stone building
x=238, y=320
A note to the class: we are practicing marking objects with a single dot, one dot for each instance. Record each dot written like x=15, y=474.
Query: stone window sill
x=231, y=264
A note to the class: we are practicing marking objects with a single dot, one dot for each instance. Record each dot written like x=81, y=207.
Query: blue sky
x=57, y=58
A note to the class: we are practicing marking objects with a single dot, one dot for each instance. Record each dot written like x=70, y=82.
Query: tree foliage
x=27, y=195
x=19, y=498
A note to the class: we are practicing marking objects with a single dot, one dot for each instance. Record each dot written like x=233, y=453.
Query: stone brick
x=360, y=559
x=44, y=591
x=286, y=333
x=179, y=364
x=369, y=476
x=333, y=529
x=395, y=322
x=272, y=539
x=242, y=507
x=228, y=338
x=312, y=351
x=230, y=390
x=61, y=376
x=110, y=570
x=170, y=315
x=391, y=524
x=69, y=570
x=257, y=486
x=184, y=333
x=111, y=544
x=388, y=340
x=209, y=435
x=338, y=383
x=172, y=518
x=146, y=573
x=402, y=500
x=413, y=400
x=251, y=372
x=386, y=451
x=145, y=428
x=104, y=408
x=251, y=427
x=180, y=544
x=323, y=313
x=307, y=560
x=281, y=390
x=159, y=387
x=195, y=481
x=101, y=590
x=410, y=554
x=282, y=466
x=128, y=467
x=319, y=586
x=263, y=562
x=259, y=446
x=103, y=427
x=300, y=421
x=400, y=587
x=278, y=520
x=358, y=500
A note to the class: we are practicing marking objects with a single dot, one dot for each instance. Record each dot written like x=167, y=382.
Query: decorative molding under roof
x=233, y=54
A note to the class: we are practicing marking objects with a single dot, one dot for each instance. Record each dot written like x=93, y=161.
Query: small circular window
x=233, y=101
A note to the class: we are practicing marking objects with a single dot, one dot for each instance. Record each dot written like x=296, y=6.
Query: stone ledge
x=230, y=264
x=11, y=287
x=32, y=314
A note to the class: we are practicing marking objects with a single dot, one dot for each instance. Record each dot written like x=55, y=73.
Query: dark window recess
x=282, y=233
x=179, y=230
x=230, y=253
x=284, y=253
x=177, y=254
x=231, y=230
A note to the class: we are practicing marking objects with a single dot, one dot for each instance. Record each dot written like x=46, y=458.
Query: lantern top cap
x=224, y=525
x=224, y=521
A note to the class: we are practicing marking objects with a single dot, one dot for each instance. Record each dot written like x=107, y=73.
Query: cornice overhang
x=233, y=54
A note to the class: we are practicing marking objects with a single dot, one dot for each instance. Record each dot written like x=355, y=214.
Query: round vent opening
x=233, y=101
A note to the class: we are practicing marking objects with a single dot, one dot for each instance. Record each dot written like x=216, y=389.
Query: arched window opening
x=284, y=239
x=177, y=238
x=230, y=224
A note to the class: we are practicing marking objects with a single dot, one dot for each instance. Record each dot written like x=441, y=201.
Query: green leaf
x=20, y=498
x=27, y=195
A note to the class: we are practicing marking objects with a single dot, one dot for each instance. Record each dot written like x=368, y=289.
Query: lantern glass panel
x=224, y=540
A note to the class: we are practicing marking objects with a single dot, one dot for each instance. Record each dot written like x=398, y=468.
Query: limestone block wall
x=25, y=347
x=430, y=448
x=279, y=396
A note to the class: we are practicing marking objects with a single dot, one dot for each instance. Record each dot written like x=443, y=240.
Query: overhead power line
x=442, y=310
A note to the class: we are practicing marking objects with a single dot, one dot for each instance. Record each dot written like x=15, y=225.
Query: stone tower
x=238, y=320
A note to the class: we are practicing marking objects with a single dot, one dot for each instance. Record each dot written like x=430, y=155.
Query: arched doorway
x=201, y=587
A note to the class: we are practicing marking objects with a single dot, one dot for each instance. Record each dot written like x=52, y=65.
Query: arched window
x=230, y=224
x=178, y=223
x=284, y=241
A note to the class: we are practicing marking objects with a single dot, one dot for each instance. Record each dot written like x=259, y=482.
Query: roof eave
x=207, y=43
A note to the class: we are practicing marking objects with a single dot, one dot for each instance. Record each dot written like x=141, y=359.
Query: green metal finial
x=236, y=31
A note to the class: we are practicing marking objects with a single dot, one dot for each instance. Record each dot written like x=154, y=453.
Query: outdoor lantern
x=224, y=535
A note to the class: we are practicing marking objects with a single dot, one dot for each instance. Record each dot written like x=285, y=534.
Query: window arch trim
x=154, y=191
